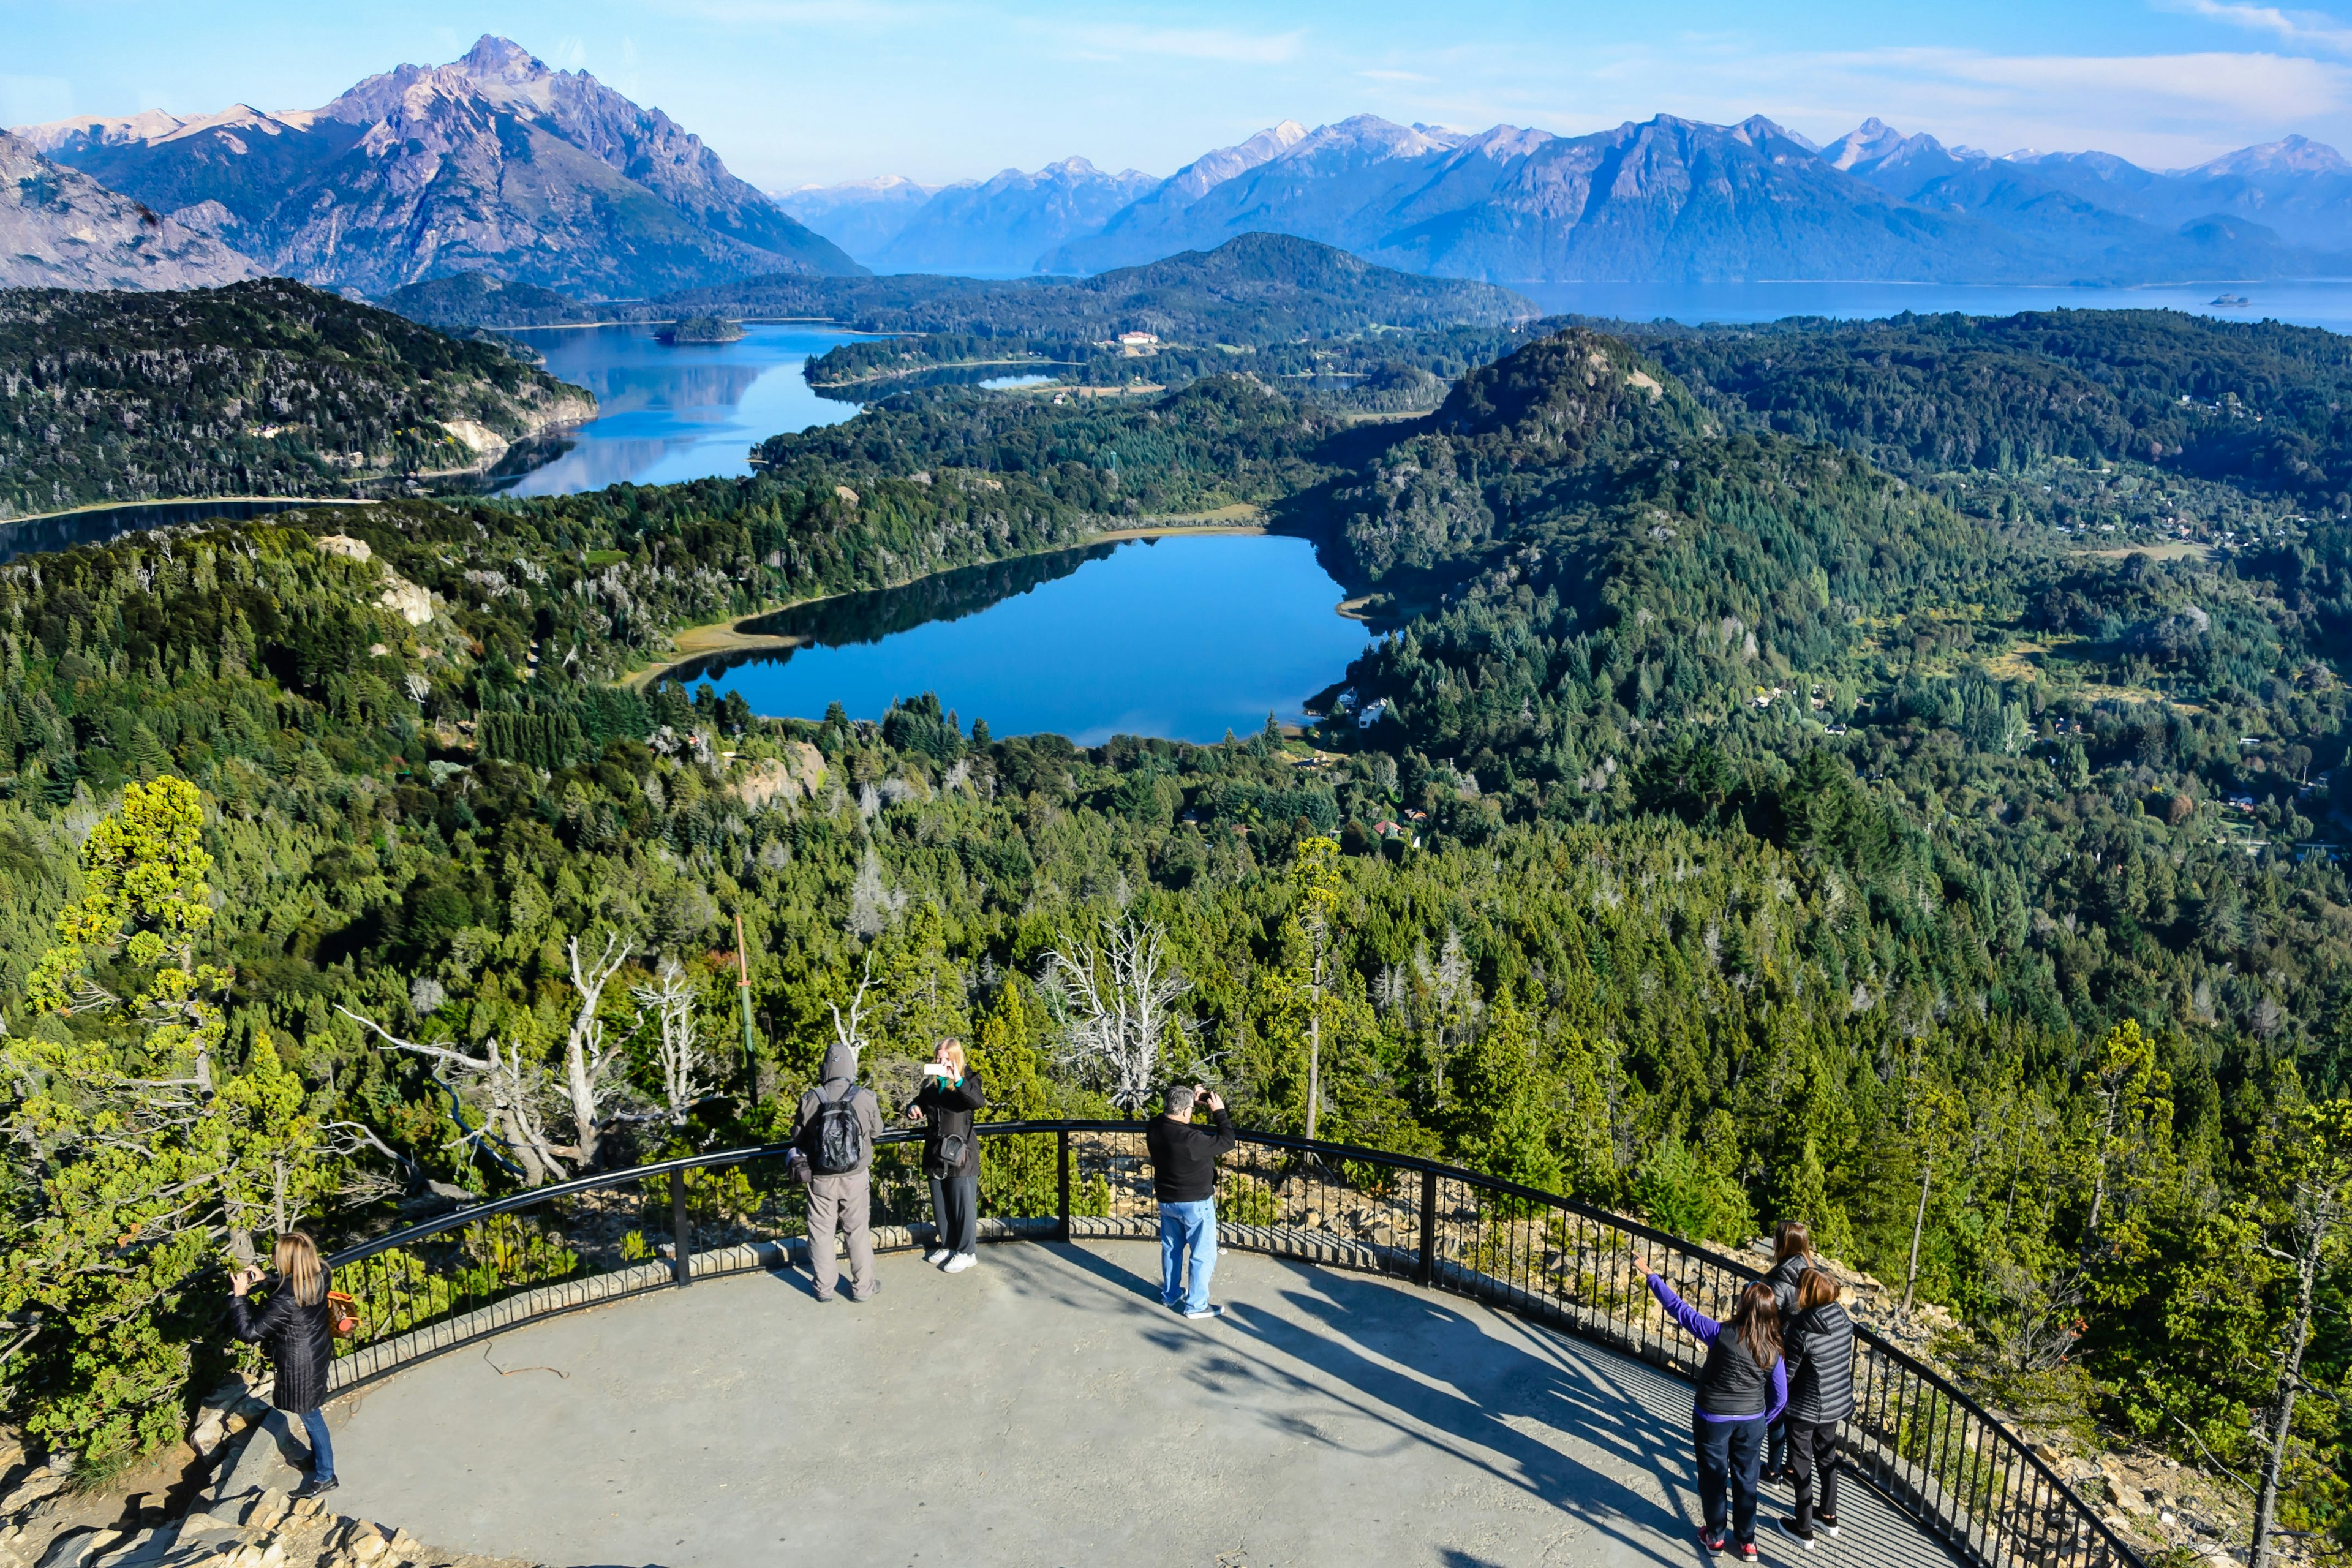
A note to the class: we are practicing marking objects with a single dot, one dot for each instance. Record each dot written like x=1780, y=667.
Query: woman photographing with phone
x=952, y=1092
x=296, y=1323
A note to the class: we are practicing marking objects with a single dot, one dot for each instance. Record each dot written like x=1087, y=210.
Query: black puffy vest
x=1731, y=1383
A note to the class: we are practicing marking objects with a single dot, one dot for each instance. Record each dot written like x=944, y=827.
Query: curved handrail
x=2086, y=1518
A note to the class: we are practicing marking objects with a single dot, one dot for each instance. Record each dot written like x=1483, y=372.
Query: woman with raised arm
x=295, y=1324
x=1742, y=1388
x=952, y=1092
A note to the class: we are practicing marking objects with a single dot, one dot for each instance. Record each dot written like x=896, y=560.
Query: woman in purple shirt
x=1742, y=1389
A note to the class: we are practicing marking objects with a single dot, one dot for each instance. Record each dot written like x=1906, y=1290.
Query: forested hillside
x=259, y=388
x=1801, y=833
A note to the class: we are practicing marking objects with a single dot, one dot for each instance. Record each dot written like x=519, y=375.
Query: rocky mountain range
x=494, y=163
x=61, y=229
x=1665, y=200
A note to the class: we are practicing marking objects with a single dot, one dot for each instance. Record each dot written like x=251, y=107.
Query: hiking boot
x=1211, y=1311
x=959, y=1262
x=869, y=1295
x=1747, y=1553
x=1797, y=1532
x=1712, y=1539
x=316, y=1488
x=1826, y=1521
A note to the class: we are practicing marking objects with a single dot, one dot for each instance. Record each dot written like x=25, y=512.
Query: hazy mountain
x=493, y=163
x=859, y=216
x=61, y=229
x=1320, y=185
x=1671, y=199
x=1005, y=224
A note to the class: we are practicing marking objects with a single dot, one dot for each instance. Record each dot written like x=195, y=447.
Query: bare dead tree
x=850, y=1032
x=588, y=1065
x=519, y=1090
x=1115, y=1001
x=669, y=1005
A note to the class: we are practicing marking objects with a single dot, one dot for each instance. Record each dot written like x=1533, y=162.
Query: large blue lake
x=1185, y=637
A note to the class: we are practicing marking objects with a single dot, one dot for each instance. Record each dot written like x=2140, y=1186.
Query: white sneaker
x=938, y=1255
x=958, y=1263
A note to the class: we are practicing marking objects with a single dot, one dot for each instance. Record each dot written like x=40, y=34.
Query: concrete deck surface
x=1044, y=1409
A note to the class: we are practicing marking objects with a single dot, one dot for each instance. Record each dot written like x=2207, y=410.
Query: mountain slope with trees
x=1801, y=836
x=260, y=388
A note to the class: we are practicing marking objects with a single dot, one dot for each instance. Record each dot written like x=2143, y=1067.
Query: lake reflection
x=1183, y=638
x=667, y=413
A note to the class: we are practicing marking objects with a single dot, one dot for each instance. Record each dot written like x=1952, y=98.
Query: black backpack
x=837, y=1140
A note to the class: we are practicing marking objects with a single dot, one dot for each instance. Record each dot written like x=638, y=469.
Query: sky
x=800, y=91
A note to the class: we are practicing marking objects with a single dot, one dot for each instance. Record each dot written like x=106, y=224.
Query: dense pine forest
x=1879, y=775
x=260, y=388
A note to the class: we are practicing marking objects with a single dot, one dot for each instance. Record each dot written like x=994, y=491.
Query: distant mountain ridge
x=61, y=229
x=1676, y=200
x=493, y=163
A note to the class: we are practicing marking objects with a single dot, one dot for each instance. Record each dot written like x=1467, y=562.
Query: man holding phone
x=1184, y=1179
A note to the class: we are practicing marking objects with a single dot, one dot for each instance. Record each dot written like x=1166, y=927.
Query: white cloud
x=2303, y=27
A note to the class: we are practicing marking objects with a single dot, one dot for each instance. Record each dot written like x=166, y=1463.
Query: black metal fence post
x=681, y=1267
x=1424, y=1268
x=1061, y=1161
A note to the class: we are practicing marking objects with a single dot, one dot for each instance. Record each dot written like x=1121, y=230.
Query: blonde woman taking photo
x=952, y=1092
x=294, y=1322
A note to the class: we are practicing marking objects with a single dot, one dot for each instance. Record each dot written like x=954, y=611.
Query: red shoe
x=1747, y=1552
x=1713, y=1540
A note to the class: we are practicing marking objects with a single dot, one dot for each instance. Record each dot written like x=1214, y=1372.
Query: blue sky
x=796, y=90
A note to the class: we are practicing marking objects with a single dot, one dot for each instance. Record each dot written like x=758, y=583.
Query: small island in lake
x=701, y=329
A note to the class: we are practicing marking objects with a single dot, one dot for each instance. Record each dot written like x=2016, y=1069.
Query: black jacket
x=1820, y=1346
x=1783, y=1279
x=1731, y=1383
x=300, y=1340
x=1184, y=1157
x=949, y=1107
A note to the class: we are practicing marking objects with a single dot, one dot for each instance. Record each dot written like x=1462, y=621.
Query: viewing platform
x=1044, y=1408
x=1418, y=1365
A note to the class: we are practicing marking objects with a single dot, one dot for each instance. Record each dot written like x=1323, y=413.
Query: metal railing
x=454, y=1279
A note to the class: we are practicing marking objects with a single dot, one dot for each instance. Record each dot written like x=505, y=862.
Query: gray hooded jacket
x=838, y=1076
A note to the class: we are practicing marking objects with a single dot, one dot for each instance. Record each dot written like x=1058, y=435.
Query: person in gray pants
x=840, y=1189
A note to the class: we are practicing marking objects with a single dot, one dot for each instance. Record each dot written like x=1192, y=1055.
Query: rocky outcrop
x=61, y=229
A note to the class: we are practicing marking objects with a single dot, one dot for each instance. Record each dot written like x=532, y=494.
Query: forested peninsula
x=259, y=388
x=1880, y=774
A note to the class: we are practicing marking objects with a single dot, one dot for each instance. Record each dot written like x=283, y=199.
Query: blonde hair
x=297, y=1262
x=952, y=1051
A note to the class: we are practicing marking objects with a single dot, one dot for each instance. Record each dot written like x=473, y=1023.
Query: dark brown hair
x=1791, y=1239
x=1758, y=1323
x=1816, y=1288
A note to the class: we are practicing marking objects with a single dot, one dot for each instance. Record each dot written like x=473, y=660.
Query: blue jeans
x=322, y=1453
x=1728, y=1453
x=1187, y=1227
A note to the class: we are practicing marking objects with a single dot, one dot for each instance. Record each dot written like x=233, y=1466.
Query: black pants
x=955, y=1201
x=1776, y=1446
x=1814, y=1444
x=1728, y=1454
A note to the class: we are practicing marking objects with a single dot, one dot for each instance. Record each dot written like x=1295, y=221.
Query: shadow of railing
x=453, y=1280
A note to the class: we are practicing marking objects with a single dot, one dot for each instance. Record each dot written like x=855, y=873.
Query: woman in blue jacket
x=1742, y=1389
